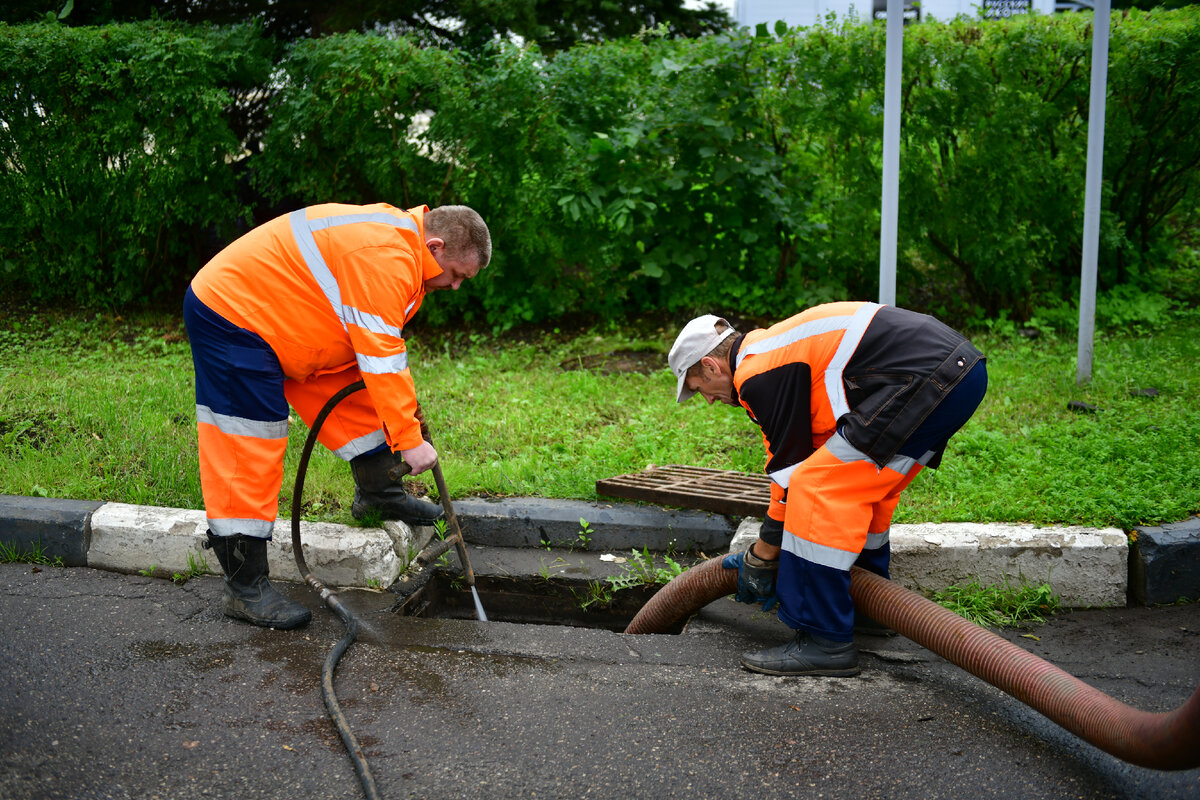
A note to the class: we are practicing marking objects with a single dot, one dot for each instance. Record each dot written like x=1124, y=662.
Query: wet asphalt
x=123, y=686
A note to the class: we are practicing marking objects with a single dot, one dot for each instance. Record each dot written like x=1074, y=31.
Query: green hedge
x=737, y=172
x=995, y=152
x=116, y=155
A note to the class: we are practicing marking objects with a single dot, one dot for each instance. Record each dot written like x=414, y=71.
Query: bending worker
x=291, y=313
x=853, y=400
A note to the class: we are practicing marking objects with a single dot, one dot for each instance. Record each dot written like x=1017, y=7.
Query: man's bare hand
x=420, y=458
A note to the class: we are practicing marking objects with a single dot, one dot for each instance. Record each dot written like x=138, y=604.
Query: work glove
x=756, y=578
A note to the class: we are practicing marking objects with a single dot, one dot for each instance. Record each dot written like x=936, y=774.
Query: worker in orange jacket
x=289, y=314
x=853, y=400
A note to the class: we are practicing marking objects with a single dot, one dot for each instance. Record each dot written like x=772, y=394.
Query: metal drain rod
x=455, y=536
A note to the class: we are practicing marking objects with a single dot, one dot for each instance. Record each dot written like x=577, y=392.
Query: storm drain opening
x=531, y=601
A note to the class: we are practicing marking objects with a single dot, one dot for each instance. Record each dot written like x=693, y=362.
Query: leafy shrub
x=1129, y=307
x=347, y=123
x=736, y=173
x=115, y=155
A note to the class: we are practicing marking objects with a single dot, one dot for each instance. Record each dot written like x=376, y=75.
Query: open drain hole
x=529, y=601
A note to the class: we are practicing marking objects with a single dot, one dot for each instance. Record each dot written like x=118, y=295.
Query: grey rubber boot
x=375, y=491
x=806, y=654
x=248, y=593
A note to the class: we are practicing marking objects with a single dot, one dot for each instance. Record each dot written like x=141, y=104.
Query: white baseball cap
x=695, y=341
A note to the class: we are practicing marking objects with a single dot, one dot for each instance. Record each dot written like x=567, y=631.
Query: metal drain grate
x=717, y=490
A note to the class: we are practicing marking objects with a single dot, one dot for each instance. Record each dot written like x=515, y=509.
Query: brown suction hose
x=1166, y=741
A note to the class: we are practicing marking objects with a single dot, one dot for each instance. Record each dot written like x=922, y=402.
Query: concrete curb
x=1085, y=566
x=165, y=541
x=1165, y=562
x=59, y=527
x=128, y=538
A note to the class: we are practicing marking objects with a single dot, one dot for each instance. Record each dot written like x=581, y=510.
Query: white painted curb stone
x=1086, y=567
x=132, y=539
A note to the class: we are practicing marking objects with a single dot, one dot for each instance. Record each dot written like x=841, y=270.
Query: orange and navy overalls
x=290, y=313
x=853, y=400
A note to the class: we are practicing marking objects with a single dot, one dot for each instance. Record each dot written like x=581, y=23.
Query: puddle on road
x=203, y=658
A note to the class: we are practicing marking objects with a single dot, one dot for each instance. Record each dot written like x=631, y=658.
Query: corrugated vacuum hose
x=1166, y=741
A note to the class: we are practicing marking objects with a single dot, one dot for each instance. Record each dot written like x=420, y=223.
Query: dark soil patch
x=28, y=430
x=618, y=361
x=325, y=504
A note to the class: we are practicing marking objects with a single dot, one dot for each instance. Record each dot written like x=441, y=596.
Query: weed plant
x=1000, y=606
x=640, y=570
x=11, y=554
x=101, y=407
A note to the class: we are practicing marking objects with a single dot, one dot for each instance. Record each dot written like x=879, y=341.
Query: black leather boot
x=375, y=491
x=248, y=593
x=806, y=654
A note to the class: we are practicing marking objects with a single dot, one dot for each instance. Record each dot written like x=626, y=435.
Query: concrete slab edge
x=538, y=521
x=1085, y=566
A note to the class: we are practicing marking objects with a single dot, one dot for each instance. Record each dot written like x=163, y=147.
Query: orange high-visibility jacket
x=875, y=371
x=328, y=287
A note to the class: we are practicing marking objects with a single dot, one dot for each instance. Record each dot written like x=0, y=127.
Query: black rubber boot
x=806, y=654
x=376, y=492
x=248, y=593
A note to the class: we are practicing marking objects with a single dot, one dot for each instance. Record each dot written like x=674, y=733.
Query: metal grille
x=716, y=490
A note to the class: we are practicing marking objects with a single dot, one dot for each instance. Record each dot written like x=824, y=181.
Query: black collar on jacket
x=733, y=351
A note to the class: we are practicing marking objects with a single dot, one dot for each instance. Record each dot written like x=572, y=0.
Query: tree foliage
x=736, y=172
x=468, y=24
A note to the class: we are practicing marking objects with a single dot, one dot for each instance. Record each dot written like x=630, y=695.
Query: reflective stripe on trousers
x=839, y=513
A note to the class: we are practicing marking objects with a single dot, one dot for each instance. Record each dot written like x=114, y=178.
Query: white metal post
x=1092, y=191
x=889, y=211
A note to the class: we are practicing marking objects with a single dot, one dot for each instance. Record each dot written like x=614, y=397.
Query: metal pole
x=891, y=151
x=1091, y=201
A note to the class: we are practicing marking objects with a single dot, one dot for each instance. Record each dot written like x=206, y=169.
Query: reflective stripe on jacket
x=327, y=287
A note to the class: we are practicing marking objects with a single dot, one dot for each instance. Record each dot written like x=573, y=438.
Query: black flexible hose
x=331, y=600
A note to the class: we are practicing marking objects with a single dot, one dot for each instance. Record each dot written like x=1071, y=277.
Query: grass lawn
x=100, y=407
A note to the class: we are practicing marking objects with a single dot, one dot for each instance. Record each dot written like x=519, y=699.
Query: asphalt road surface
x=121, y=686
